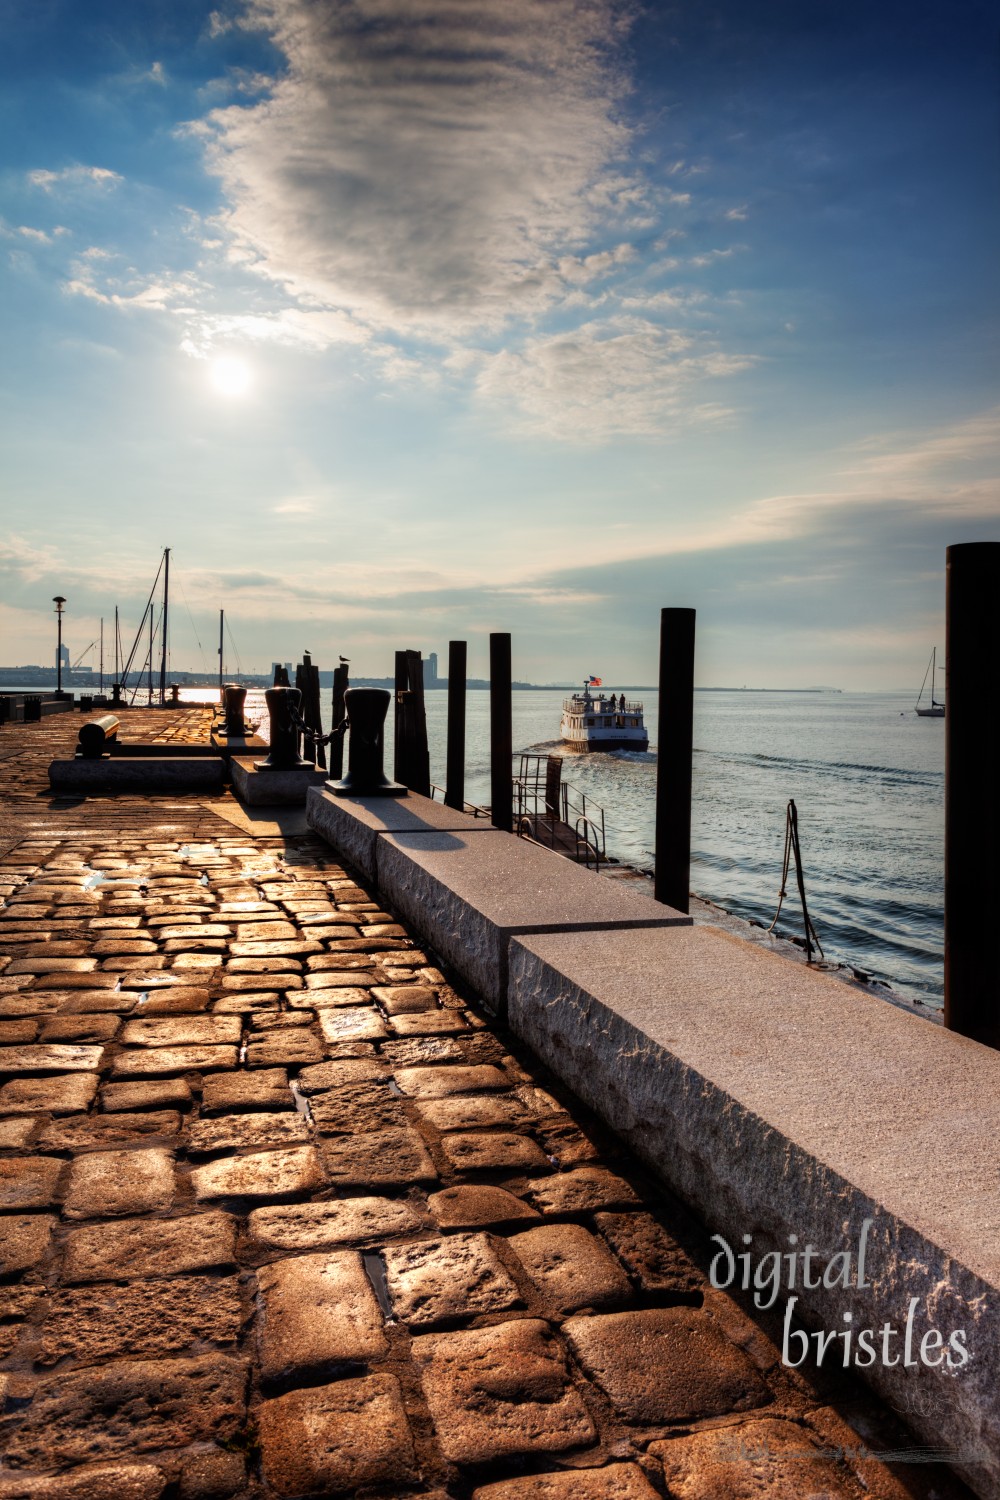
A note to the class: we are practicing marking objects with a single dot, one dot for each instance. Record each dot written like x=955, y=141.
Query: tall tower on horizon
x=62, y=657
x=431, y=670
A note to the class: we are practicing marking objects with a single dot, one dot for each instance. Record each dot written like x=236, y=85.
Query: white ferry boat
x=599, y=720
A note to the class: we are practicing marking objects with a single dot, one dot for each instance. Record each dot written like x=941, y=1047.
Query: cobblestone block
x=79, y=1028
x=332, y=1439
x=130, y=1406
x=570, y=1268
x=436, y=1083
x=493, y=1150
x=18, y=1031
x=430, y=1023
x=379, y=1158
x=335, y=998
x=54, y=1059
x=237, y=1132
x=157, y=1094
x=317, y=1309
x=143, y=1062
x=215, y=1475
x=341, y=978
x=343, y=1073
x=669, y=1364
x=98, y=1132
x=400, y=999
x=471, y=1205
x=419, y=1051
x=24, y=1241
x=265, y=1174
x=94, y=1482
x=356, y=1107
x=156, y=1247
x=158, y=1317
x=352, y=1024
x=762, y=1458
x=437, y=1280
x=646, y=1250
x=473, y=1111
x=502, y=1392
x=257, y=983
x=52, y=966
x=28, y=1182
x=260, y=1090
x=65, y=1095
x=245, y=1004
x=349, y=1221
x=175, y=1000
x=616, y=1482
x=581, y=1191
x=287, y=1048
x=112, y=1184
x=182, y=1031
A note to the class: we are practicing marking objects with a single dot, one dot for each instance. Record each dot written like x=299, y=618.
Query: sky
x=402, y=321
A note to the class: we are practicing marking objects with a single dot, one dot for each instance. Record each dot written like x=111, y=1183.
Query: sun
x=230, y=375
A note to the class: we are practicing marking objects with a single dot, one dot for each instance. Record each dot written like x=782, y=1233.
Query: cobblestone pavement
x=282, y=1214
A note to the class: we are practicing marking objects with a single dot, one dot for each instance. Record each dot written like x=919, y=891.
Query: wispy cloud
x=428, y=166
x=74, y=176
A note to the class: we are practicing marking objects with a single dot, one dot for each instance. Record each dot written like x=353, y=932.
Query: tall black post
x=501, y=734
x=971, y=792
x=675, y=732
x=337, y=716
x=454, y=794
x=412, y=757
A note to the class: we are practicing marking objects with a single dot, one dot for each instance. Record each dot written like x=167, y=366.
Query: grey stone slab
x=273, y=788
x=467, y=896
x=140, y=777
x=778, y=1101
x=353, y=824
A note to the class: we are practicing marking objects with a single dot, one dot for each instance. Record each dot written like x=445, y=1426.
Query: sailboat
x=935, y=710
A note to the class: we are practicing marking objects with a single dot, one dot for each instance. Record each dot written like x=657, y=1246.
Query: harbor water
x=867, y=776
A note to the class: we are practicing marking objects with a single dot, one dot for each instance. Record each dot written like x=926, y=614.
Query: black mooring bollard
x=284, y=756
x=971, y=792
x=366, y=711
x=455, y=766
x=233, y=698
x=501, y=734
x=675, y=719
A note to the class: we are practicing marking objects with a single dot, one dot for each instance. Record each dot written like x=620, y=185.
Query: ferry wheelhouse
x=599, y=720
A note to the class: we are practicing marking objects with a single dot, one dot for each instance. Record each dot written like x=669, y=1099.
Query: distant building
x=430, y=666
x=62, y=656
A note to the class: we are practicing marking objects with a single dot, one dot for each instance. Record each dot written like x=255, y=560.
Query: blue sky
x=403, y=320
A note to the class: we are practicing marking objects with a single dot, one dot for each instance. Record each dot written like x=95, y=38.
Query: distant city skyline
x=536, y=315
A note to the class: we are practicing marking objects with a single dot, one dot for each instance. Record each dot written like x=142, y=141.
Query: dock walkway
x=283, y=1213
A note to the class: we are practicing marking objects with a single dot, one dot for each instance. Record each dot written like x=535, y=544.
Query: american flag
x=594, y=682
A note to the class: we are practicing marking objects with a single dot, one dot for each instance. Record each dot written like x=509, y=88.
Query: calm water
x=867, y=777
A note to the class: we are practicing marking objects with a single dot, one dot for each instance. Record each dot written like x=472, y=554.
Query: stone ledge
x=272, y=788
x=139, y=776
x=353, y=824
x=467, y=889
x=777, y=1101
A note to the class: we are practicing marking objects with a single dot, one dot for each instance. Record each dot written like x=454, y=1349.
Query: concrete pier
x=285, y=1213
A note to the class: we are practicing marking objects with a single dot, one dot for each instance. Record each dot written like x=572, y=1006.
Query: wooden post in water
x=675, y=719
x=454, y=778
x=337, y=714
x=501, y=734
x=971, y=791
x=413, y=767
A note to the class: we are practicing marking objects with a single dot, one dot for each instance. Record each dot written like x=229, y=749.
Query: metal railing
x=557, y=813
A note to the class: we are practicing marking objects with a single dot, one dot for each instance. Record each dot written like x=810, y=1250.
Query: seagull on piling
x=345, y=661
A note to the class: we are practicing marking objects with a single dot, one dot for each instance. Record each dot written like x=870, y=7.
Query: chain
x=310, y=733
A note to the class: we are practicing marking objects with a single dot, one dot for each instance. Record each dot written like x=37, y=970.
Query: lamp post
x=59, y=601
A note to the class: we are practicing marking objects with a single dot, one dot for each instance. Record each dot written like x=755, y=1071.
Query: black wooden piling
x=972, y=794
x=501, y=734
x=675, y=720
x=340, y=685
x=412, y=761
x=454, y=794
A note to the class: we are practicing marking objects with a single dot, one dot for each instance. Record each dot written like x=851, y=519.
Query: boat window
x=590, y=721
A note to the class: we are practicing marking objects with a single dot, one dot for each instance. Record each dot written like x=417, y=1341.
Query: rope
x=792, y=847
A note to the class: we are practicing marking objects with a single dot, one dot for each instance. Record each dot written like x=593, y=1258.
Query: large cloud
x=427, y=165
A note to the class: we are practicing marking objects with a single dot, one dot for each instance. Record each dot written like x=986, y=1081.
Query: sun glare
x=230, y=376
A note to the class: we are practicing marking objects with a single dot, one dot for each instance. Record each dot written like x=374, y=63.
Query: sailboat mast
x=149, y=658
x=222, y=617
x=163, y=650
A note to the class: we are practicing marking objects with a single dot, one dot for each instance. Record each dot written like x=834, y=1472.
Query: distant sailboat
x=936, y=709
